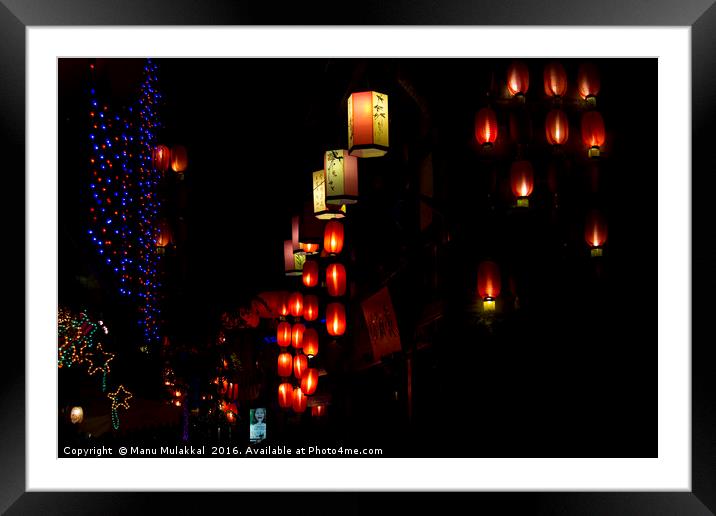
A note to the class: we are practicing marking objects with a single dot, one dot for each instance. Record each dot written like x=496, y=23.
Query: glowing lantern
x=336, y=279
x=310, y=248
x=318, y=410
x=285, y=364
x=230, y=417
x=310, y=342
x=179, y=159
x=595, y=232
x=300, y=364
x=486, y=127
x=333, y=237
x=556, y=127
x=295, y=304
x=309, y=381
x=368, y=124
x=593, y=133
x=285, y=395
x=518, y=79
x=341, y=177
x=488, y=284
x=283, y=309
x=522, y=182
x=555, y=80
x=299, y=401
x=294, y=234
x=160, y=158
x=335, y=319
x=292, y=262
x=164, y=236
x=310, y=273
x=588, y=82
x=310, y=307
x=321, y=210
x=310, y=230
x=297, y=335
x=283, y=336
x=77, y=414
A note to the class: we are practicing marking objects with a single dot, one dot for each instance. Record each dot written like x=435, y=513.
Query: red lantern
x=310, y=273
x=283, y=335
x=318, y=410
x=300, y=364
x=595, y=232
x=588, y=82
x=333, y=237
x=556, y=127
x=299, y=400
x=309, y=381
x=518, y=79
x=309, y=248
x=310, y=307
x=368, y=124
x=310, y=342
x=295, y=304
x=160, y=158
x=179, y=159
x=555, y=80
x=285, y=364
x=486, y=127
x=297, y=335
x=164, y=237
x=593, y=133
x=336, y=279
x=488, y=284
x=285, y=395
x=522, y=182
x=335, y=319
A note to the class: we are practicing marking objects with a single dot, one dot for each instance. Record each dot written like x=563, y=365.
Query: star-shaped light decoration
x=120, y=398
x=98, y=359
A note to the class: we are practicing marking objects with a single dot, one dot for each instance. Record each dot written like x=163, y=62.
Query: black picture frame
x=700, y=15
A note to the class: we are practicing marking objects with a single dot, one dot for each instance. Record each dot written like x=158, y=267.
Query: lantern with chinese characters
x=300, y=364
x=522, y=182
x=285, y=364
x=368, y=124
x=488, y=284
x=333, y=237
x=518, y=79
x=283, y=335
x=299, y=401
x=486, y=127
x=179, y=159
x=285, y=395
x=336, y=279
x=335, y=319
x=295, y=304
x=555, y=80
x=588, y=82
x=595, y=232
x=309, y=381
x=556, y=127
x=310, y=273
x=292, y=262
x=321, y=210
x=593, y=133
x=341, y=177
x=77, y=414
x=318, y=410
x=297, y=335
x=310, y=307
x=310, y=342
x=160, y=158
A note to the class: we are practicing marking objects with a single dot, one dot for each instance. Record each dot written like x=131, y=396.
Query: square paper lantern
x=310, y=230
x=341, y=177
x=321, y=210
x=293, y=263
x=368, y=124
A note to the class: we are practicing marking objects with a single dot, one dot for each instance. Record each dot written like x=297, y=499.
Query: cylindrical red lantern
x=318, y=410
x=333, y=237
x=368, y=124
x=285, y=395
x=164, y=236
x=593, y=133
x=309, y=381
x=310, y=273
x=588, y=82
x=595, y=232
x=555, y=79
x=522, y=182
x=486, y=127
x=300, y=364
x=179, y=159
x=310, y=342
x=160, y=158
x=335, y=319
x=488, y=284
x=295, y=304
x=299, y=400
x=336, y=279
x=518, y=79
x=283, y=334
x=556, y=127
x=297, y=332
x=283, y=308
x=310, y=307
x=309, y=247
x=285, y=364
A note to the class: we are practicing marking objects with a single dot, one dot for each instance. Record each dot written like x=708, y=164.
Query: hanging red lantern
x=295, y=304
x=486, y=127
x=310, y=342
x=297, y=335
x=292, y=262
x=333, y=237
x=285, y=395
x=310, y=273
x=555, y=80
x=522, y=182
x=595, y=232
x=283, y=334
x=556, y=127
x=341, y=177
x=488, y=284
x=588, y=82
x=518, y=79
x=318, y=410
x=593, y=133
x=283, y=308
x=309, y=381
x=300, y=364
x=368, y=124
x=179, y=159
x=285, y=364
x=321, y=210
x=160, y=158
x=336, y=279
x=310, y=307
x=164, y=236
x=299, y=400
x=310, y=248
x=335, y=319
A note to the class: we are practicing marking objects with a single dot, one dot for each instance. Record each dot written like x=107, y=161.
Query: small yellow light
x=593, y=152
x=523, y=202
x=488, y=305
x=596, y=251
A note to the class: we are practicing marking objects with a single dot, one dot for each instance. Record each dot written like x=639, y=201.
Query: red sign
x=382, y=324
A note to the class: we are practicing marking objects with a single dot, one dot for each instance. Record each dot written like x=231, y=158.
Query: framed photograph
x=449, y=252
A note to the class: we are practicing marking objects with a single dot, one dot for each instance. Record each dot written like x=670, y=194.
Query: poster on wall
x=257, y=425
x=382, y=324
